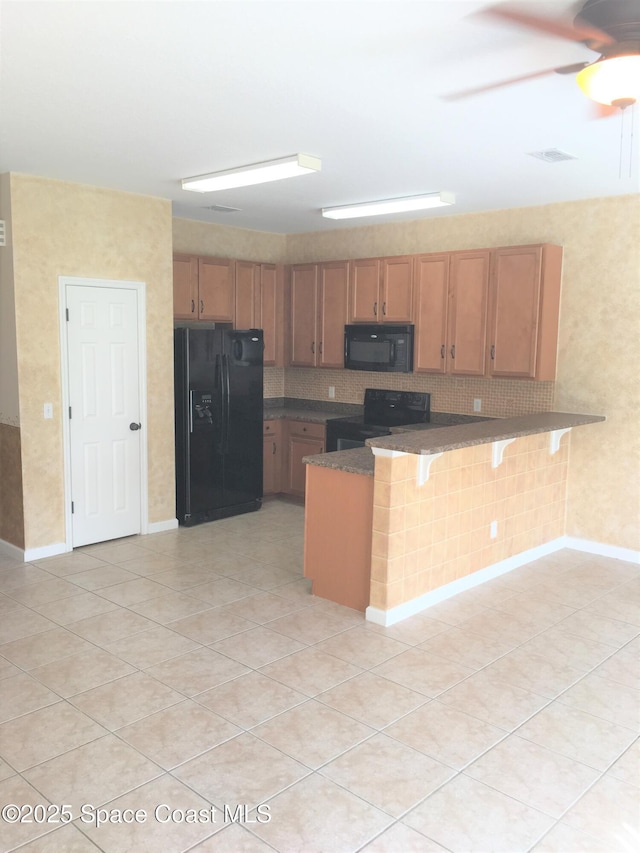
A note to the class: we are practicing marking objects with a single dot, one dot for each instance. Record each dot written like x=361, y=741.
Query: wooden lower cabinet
x=272, y=457
x=285, y=444
x=304, y=438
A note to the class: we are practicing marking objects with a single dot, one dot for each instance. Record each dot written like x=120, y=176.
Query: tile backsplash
x=500, y=397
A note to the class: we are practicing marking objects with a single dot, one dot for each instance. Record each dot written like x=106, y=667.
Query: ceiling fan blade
x=603, y=110
x=572, y=69
x=457, y=96
x=580, y=30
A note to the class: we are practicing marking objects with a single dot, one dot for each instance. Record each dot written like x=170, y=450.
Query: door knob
x=135, y=426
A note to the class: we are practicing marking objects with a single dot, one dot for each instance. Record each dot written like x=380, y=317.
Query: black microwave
x=381, y=348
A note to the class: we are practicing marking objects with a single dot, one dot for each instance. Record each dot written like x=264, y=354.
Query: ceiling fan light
x=612, y=81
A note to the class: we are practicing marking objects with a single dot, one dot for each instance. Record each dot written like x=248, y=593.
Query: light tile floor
x=193, y=670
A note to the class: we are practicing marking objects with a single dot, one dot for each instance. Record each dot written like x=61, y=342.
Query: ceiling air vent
x=552, y=155
x=3, y=233
x=221, y=208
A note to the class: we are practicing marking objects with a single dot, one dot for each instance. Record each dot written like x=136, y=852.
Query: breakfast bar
x=418, y=516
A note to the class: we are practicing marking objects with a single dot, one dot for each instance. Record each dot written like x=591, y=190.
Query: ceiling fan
x=608, y=27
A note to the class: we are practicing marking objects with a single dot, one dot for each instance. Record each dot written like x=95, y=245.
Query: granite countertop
x=430, y=438
x=439, y=440
x=316, y=416
x=359, y=460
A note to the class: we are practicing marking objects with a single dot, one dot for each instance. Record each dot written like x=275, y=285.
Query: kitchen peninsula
x=424, y=514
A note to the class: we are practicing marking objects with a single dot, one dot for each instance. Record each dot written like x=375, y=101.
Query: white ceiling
x=137, y=95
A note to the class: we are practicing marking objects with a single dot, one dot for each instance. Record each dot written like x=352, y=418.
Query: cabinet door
x=247, y=295
x=430, y=313
x=365, y=288
x=299, y=447
x=397, y=290
x=525, y=297
x=333, y=284
x=468, y=296
x=215, y=278
x=272, y=458
x=303, y=438
x=303, y=315
x=185, y=287
x=271, y=313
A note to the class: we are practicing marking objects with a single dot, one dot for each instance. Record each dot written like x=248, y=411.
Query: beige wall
x=599, y=347
x=63, y=229
x=225, y=241
x=9, y=407
x=11, y=509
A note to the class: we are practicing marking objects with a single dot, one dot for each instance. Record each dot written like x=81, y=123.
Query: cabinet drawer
x=271, y=427
x=307, y=429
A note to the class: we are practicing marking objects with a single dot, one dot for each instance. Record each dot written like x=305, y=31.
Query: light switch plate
x=477, y=405
x=48, y=410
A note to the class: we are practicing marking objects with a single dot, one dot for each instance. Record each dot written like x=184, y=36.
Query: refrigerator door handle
x=220, y=379
x=190, y=411
x=227, y=392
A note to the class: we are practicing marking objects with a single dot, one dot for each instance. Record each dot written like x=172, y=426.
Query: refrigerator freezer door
x=243, y=354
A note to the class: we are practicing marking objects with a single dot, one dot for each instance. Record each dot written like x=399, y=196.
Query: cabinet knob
x=313, y=346
x=202, y=306
x=442, y=349
x=375, y=309
x=384, y=308
x=320, y=348
x=274, y=448
x=304, y=429
x=193, y=306
x=453, y=351
x=493, y=352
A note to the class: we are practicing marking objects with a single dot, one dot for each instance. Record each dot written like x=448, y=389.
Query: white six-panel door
x=104, y=397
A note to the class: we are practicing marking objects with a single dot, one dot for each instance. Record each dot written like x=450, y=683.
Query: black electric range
x=382, y=410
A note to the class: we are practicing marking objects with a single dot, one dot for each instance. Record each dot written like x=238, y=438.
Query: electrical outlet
x=332, y=392
x=493, y=530
x=48, y=410
x=477, y=405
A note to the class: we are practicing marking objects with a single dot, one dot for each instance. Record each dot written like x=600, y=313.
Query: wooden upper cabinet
x=271, y=286
x=185, y=287
x=396, y=290
x=303, y=298
x=525, y=301
x=318, y=311
x=468, y=304
x=365, y=290
x=247, y=295
x=333, y=309
x=216, y=283
x=430, y=313
x=381, y=290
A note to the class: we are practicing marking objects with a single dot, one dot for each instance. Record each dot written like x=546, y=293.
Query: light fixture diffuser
x=614, y=81
x=256, y=173
x=390, y=205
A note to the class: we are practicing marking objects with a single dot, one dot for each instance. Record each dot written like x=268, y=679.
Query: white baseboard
x=601, y=550
x=162, y=526
x=11, y=551
x=32, y=554
x=423, y=602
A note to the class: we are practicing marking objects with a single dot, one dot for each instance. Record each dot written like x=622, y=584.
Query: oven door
x=343, y=435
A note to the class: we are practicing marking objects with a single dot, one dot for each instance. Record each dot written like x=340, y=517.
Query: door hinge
x=69, y=412
x=67, y=314
x=72, y=508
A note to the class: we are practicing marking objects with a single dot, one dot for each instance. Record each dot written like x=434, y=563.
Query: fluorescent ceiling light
x=257, y=173
x=389, y=205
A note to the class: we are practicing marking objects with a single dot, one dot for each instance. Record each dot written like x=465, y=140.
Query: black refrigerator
x=218, y=412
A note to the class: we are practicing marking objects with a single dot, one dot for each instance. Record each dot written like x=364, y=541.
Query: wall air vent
x=552, y=155
x=221, y=208
x=3, y=233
